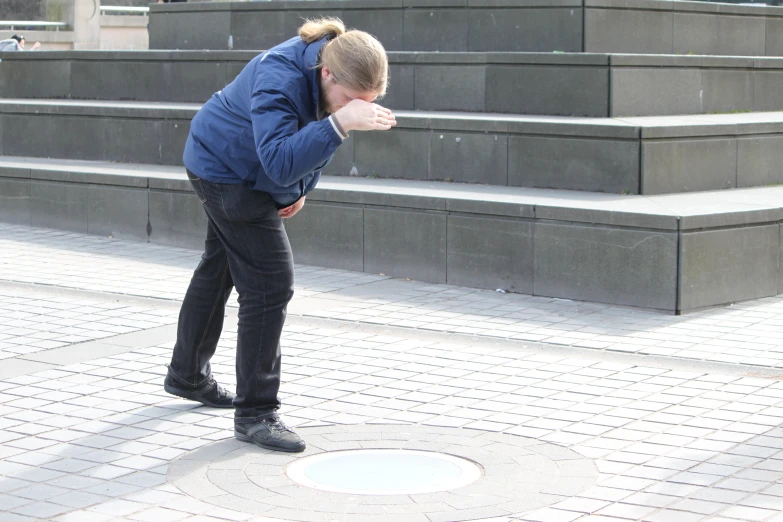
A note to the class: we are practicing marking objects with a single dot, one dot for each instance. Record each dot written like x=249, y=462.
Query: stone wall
x=23, y=10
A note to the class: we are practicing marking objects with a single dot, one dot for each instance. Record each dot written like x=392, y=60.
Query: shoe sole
x=246, y=438
x=186, y=395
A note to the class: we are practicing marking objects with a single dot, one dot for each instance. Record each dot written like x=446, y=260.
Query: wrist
x=338, y=127
x=340, y=121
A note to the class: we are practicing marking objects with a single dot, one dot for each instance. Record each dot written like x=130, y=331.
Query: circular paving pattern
x=512, y=475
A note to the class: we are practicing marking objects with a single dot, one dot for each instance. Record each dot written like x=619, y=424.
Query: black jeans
x=246, y=247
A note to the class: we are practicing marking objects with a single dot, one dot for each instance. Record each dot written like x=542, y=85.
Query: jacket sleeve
x=286, y=152
x=311, y=183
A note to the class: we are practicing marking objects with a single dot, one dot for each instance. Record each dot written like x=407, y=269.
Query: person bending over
x=254, y=151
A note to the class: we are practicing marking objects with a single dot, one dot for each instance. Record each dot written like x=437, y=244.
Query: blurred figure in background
x=16, y=43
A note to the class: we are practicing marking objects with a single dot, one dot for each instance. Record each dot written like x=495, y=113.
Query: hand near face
x=362, y=115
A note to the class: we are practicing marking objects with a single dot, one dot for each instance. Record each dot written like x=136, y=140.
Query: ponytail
x=313, y=30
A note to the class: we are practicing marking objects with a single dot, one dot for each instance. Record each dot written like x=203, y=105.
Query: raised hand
x=364, y=116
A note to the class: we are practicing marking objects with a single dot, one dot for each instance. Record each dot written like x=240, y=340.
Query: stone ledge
x=124, y=21
x=413, y=57
x=141, y=55
x=277, y=5
x=160, y=110
x=646, y=5
x=575, y=245
x=646, y=26
x=687, y=7
x=653, y=155
x=659, y=127
x=671, y=212
x=565, y=84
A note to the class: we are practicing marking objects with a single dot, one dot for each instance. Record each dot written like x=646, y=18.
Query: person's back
x=16, y=43
x=9, y=45
x=222, y=147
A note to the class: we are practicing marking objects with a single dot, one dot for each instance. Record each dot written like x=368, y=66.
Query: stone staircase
x=584, y=175
x=559, y=84
x=593, y=26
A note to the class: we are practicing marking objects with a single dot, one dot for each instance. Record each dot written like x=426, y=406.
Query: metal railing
x=122, y=9
x=29, y=25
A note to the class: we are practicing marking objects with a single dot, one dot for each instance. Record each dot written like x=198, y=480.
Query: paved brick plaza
x=616, y=413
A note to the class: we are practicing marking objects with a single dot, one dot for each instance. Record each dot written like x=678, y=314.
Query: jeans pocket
x=198, y=186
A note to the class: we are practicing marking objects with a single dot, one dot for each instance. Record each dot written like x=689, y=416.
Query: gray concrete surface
x=678, y=252
x=606, y=412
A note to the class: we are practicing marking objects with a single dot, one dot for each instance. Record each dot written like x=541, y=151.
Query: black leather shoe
x=209, y=394
x=270, y=433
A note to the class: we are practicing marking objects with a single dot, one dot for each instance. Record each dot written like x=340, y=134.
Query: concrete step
x=676, y=253
x=765, y=2
x=603, y=26
x=644, y=155
x=569, y=84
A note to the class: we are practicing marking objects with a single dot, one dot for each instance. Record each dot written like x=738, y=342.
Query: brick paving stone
x=667, y=515
x=622, y=510
x=671, y=444
x=40, y=510
x=698, y=506
x=550, y=515
x=747, y=513
x=8, y=502
x=83, y=516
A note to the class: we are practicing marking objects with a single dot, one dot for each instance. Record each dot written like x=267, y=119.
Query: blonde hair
x=357, y=60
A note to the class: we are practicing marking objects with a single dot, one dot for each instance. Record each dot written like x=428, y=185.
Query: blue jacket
x=263, y=128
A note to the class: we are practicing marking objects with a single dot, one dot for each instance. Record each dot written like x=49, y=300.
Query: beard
x=323, y=110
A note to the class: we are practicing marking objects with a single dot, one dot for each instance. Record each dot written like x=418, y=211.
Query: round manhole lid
x=383, y=472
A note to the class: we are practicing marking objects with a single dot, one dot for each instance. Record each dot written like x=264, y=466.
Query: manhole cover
x=373, y=473
x=383, y=472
